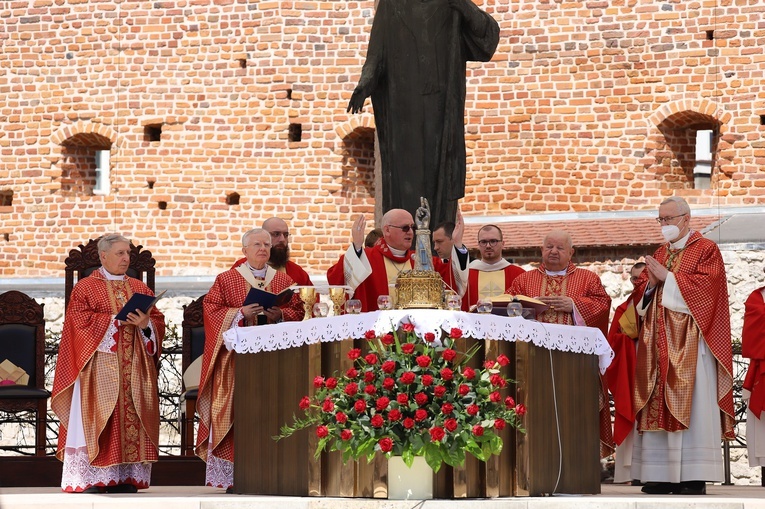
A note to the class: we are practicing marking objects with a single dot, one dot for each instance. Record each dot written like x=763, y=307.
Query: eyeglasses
x=276, y=234
x=488, y=242
x=665, y=220
x=404, y=228
x=259, y=245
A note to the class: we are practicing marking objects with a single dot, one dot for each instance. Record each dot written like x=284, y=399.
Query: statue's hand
x=422, y=217
x=356, y=104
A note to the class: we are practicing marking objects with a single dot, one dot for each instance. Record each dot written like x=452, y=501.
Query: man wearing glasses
x=279, y=257
x=491, y=275
x=224, y=309
x=683, y=384
x=371, y=271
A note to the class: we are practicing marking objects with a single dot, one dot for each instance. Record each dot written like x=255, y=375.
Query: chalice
x=337, y=296
x=308, y=296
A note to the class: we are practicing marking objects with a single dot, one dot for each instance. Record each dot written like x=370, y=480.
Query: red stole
x=472, y=294
x=753, y=347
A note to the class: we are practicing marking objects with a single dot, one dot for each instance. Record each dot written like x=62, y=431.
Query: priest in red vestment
x=683, y=393
x=372, y=272
x=105, y=386
x=576, y=297
x=279, y=258
x=223, y=310
x=491, y=275
x=753, y=348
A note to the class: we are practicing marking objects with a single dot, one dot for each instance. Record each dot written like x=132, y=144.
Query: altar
x=556, y=368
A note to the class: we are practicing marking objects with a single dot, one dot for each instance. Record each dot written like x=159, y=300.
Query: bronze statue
x=415, y=73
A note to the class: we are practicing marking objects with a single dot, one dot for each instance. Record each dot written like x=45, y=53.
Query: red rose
x=420, y=415
x=495, y=380
x=322, y=431
x=427, y=380
x=463, y=390
x=430, y=337
x=370, y=389
x=407, y=378
x=388, y=367
x=503, y=360
x=450, y=424
x=509, y=402
x=341, y=418
x=455, y=333
x=360, y=406
x=352, y=373
x=478, y=430
x=354, y=354
x=318, y=382
x=327, y=405
x=468, y=373
x=331, y=383
x=472, y=409
x=388, y=339
x=423, y=361
x=351, y=389
x=449, y=355
x=439, y=391
x=394, y=415
x=407, y=348
x=371, y=358
x=402, y=399
x=370, y=334
x=520, y=409
x=447, y=408
x=421, y=398
x=488, y=364
x=499, y=424
x=447, y=374
x=386, y=444
x=495, y=397
x=369, y=376
x=382, y=403
x=436, y=433
x=305, y=403
x=408, y=327
x=377, y=421
x=346, y=434
x=389, y=384
x=408, y=423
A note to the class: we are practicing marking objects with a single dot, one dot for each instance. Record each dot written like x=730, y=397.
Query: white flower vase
x=404, y=483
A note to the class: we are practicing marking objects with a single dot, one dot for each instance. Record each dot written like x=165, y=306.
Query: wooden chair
x=22, y=342
x=83, y=260
x=193, y=340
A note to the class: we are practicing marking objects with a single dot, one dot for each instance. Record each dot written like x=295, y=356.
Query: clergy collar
x=261, y=273
x=397, y=252
x=680, y=244
x=556, y=272
x=111, y=277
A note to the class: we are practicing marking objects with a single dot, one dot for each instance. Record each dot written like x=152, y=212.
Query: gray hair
x=252, y=232
x=559, y=233
x=106, y=242
x=682, y=205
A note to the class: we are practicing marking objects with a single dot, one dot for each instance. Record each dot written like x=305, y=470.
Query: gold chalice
x=308, y=296
x=337, y=295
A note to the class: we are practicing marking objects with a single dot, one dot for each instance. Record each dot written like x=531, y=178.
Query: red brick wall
x=570, y=115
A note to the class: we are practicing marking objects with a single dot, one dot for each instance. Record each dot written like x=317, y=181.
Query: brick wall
x=582, y=109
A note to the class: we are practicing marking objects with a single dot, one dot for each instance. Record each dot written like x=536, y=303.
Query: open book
x=267, y=299
x=527, y=302
x=138, y=301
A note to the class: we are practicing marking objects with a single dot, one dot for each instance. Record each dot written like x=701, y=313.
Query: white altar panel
x=280, y=336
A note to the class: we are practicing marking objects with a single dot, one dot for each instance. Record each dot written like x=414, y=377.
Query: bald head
x=278, y=230
x=557, y=250
x=394, y=222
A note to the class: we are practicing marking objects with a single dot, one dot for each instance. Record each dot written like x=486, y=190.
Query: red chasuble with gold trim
x=292, y=269
x=753, y=347
x=668, y=346
x=215, y=402
x=120, y=405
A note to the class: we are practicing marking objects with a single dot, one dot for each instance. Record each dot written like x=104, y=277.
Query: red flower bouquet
x=411, y=397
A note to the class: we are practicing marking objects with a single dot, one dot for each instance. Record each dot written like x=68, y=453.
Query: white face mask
x=670, y=232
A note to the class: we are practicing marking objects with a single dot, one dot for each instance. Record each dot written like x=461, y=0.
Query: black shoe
x=692, y=488
x=94, y=489
x=660, y=488
x=122, y=488
x=230, y=490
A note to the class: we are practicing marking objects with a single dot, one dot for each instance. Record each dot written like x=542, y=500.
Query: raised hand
x=459, y=230
x=357, y=232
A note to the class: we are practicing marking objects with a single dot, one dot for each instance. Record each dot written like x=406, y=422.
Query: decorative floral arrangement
x=411, y=397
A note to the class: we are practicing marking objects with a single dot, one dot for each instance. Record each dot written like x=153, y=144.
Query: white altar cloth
x=280, y=336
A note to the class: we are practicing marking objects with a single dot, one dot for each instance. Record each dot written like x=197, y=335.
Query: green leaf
x=408, y=456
